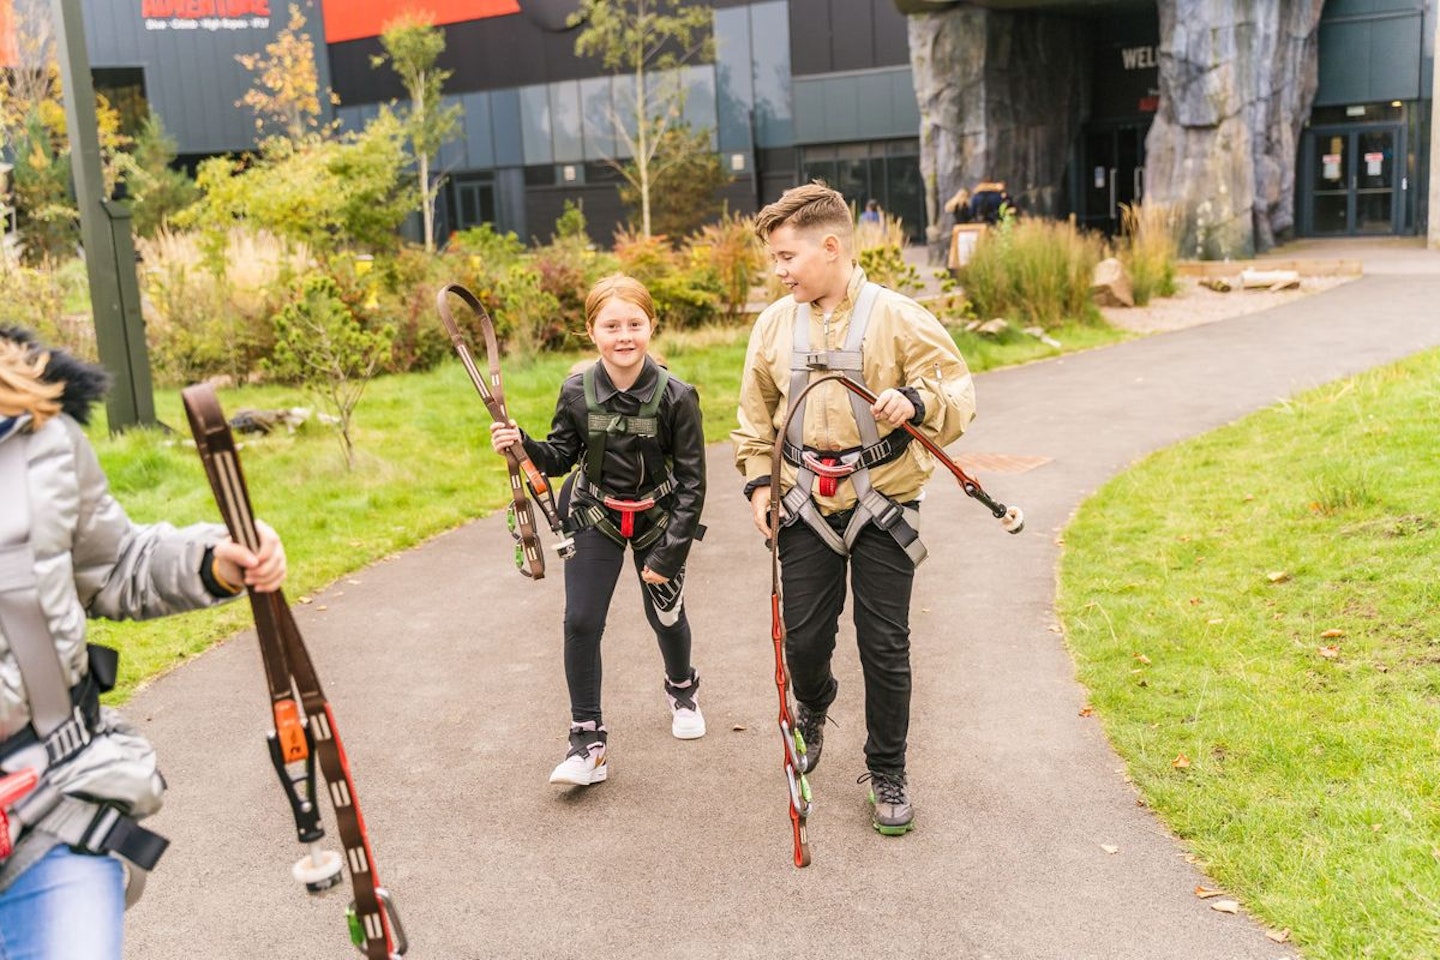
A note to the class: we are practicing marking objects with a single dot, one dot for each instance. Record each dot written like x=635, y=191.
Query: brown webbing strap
x=288, y=666
x=523, y=472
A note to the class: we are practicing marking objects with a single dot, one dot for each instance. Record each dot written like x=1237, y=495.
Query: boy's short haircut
x=809, y=206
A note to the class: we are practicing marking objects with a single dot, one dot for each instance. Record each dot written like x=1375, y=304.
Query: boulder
x=1111, y=285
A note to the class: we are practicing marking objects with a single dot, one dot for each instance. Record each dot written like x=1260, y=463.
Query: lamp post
x=105, y=235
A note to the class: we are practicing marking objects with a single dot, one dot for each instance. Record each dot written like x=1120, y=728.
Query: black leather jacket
x=635, y=465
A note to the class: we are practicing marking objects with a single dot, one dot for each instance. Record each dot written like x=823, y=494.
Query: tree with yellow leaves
x=287, y=84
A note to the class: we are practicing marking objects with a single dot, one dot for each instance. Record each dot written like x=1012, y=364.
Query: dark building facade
x=798, y=89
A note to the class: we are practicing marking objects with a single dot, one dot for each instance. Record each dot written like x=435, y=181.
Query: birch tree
x=647, y=41
x=412, y=46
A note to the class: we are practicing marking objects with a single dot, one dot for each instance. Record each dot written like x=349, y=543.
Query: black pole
x=105, y=236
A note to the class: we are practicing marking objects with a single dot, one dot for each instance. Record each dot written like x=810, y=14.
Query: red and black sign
x=349, y=20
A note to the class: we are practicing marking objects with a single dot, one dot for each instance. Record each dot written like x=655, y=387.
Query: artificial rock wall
x=1005, y=95
x=1002, y=97
x=1237, y=79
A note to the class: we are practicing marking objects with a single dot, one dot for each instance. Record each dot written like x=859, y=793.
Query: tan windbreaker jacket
x=904, y=347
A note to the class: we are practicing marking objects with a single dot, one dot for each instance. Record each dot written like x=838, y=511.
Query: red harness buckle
x=12, y=788
x=627, y=510
x=829, y=471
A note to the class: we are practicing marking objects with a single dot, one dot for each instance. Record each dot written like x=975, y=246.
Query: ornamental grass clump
x=1033, y=273
x=1149, y=249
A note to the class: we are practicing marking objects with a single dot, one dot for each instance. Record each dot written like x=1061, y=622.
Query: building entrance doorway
x=1352, y=180
x=1114, y=173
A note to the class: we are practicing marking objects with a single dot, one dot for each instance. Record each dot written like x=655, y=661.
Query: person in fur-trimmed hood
x=68, y=552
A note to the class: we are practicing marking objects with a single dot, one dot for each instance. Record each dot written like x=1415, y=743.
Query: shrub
x=1149, y=249
x=685, y=288
x=731, y=252
x=526, y=314
x=51, y=298
x=1033, y=272
x=208, y=316
x=321, y=344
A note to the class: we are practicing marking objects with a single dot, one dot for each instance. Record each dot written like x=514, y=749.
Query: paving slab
x=444, y=668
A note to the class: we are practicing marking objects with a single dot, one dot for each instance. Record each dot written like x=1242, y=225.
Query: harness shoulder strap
x=601, y=423
x=871, y=505
x=23, y=619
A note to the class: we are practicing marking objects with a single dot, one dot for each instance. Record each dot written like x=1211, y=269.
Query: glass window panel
x=700, y=97
x=565, y=122
x=480, y=145
x=770, y=41
x=734, y=79
x=598, y=115
x=506, y=129
x=905, y=194
x=535, y=124
x=623, y=93
x=1374, y=212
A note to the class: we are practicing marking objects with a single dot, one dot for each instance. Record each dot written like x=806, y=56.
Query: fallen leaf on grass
x=1141, y=658
x=1248, y=497
x=1329, y=653
x=1278, y=576
x=1205, y=893
x=1332, y=634
x=1214, y=620
x=1086, y=710
x=1180, y=762
x=1279, y=936
x=1226, y=906
x=1110, y=848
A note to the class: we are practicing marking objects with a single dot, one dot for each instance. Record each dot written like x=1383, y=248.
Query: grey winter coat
x=92, y=561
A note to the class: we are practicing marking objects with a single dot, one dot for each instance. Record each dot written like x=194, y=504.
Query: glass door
x=1114, y=172
x=1353, y=174
x=1375, y=193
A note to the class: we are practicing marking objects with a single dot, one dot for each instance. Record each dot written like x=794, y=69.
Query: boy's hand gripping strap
x=288, y=672
x=523, y=472
x=1011, y=518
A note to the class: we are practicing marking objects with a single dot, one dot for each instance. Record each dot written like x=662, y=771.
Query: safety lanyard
x=524, y=475
x=794, y=761
x=297, y=739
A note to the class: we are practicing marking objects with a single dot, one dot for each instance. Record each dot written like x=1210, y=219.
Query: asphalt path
x=444, y=669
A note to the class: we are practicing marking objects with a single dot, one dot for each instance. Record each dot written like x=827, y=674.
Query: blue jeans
x=67, y=906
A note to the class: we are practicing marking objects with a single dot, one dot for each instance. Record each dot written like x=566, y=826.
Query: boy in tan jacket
x=852, y=482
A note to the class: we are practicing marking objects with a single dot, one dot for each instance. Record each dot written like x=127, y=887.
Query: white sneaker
x=585, y=763
x=686, y=721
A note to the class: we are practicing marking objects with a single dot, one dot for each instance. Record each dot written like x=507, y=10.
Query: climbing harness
x=794, y=759
x=526, y=480
x=35, y=816
x=831, y=467
x=304, y=730
x=592, y=505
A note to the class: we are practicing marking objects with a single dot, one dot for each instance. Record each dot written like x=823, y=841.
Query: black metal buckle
x=68, y=739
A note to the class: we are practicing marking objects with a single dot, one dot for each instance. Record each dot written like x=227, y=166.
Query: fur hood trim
x=85, y=383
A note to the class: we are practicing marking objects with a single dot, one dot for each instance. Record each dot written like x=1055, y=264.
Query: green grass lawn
x=1265, y=602
x=423, y=466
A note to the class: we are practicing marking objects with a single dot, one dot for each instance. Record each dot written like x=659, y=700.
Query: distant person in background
x=959, y=205
x=989, y=203
x=871, y=213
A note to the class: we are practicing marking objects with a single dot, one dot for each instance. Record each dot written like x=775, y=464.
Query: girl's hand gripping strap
x=375, y=926
x=523, y=472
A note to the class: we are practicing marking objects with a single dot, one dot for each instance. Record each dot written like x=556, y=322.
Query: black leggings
x=590, y=578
